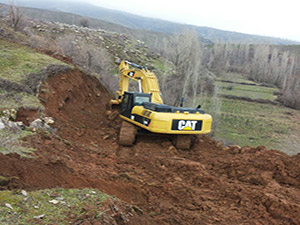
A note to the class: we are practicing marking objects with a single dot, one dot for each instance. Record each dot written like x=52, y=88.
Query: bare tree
x=1, y=12
x=84, y=22
x=190, y=77
x=261, y=63
x=15, y=16
x=291, y=94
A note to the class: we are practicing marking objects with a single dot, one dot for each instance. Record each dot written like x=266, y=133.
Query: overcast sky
x=277, y=18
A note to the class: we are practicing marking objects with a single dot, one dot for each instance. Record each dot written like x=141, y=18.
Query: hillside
x=77, y=173
x=210, y=184
x=99, y=51
x=151, y=24
x=18, y=75
x=73, y=19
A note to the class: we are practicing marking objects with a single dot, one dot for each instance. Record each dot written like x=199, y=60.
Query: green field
x=235, y=77
x=250, y=91
x=254, y=124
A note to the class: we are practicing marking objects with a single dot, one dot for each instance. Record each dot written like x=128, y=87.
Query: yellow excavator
x=145, y=111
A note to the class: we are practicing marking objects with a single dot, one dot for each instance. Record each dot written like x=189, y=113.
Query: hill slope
x=18, y=75
x=210, y=184
x=157, y=25
x=73, y=19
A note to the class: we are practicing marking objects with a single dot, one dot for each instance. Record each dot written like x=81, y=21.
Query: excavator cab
x=131, y=99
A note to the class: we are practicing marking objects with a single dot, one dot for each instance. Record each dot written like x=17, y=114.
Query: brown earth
x=210, y=184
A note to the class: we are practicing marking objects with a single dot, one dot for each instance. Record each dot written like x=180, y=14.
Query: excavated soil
x=210, y=184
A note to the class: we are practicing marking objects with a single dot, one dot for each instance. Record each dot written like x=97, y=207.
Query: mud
x=27, y=115
x=210, y=184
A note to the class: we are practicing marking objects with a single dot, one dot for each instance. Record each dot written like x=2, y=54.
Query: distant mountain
x=149, y=37
x=151, y=24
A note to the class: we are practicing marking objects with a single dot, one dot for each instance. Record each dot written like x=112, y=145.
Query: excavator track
x=182, y=141
x=127, y=134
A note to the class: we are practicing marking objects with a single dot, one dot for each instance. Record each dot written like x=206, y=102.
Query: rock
x=97, y=223
x=11, y=114
x=16, y=126
x=117, y=60
x=86, y=223
x=48, y=120
x=246, y=149
x=39, y=216
x=113, y=115
x=2, y=125
x=105, y=137
x=37, y=124
x=220, y=144
x=234, y=149
x=178, y=179
x=8, y=205
x=21, y=125
x=226, y=148
x=61, y=105
x=24, y=192
x=43, y=124
x=108, y=112
x=54, y=201
x=234, y=146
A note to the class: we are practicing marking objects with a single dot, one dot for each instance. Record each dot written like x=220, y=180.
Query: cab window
x=140, y=99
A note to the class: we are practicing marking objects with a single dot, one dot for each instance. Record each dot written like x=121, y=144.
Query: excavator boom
x=146, y=79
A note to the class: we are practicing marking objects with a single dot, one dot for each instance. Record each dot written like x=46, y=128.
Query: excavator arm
x=147, y=80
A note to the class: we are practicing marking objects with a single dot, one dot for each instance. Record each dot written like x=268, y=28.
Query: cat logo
x=131, y=74
x=187, y=125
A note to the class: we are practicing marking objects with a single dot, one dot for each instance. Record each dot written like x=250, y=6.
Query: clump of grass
x=18, y=61
x=21, y=71
x=11, y=142
x=15, y=100
x=59, y=206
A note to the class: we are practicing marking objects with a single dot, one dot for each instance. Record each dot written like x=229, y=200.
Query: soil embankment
x=210, y=184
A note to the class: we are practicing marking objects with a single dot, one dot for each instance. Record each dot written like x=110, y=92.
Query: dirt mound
x=210, y=184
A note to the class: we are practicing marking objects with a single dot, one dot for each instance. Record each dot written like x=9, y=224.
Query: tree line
x=196, y=64
x=267, y=64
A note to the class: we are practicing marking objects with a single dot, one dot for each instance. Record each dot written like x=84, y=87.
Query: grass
x=254, y=124
x=18, y=61
x=250, y=91
x=245, y=123
x=10, y=100
x=11, y=142
x=54, y=206
x=235, y=77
